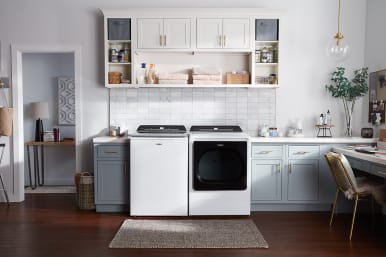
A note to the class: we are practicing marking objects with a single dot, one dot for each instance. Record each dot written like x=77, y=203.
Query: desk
x=39, y=162
x=374, y=164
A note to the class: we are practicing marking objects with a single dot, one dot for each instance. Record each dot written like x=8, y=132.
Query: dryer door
x=219, y=165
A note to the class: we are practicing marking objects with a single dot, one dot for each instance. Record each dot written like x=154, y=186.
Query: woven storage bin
x=85, y=192
x=237, y=78
x=115, y=77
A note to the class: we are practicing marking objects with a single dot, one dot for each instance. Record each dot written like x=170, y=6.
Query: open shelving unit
x=240, y=58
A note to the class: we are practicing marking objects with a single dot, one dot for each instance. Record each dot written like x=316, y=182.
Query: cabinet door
x=209, y=33
x=266, y=180
x=236, y=33
x=112, y=182
x=176, y=33
x=150, y=32
x=303, y=180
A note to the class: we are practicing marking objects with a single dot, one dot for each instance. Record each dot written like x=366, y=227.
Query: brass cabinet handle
x=279, y=167
x=161, y=40
x=225, y=40
x=164, y=40
x=220, y=38
x=290, y=168
x=110, y=152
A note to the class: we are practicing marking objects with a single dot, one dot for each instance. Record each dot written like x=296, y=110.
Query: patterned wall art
x=66, y=101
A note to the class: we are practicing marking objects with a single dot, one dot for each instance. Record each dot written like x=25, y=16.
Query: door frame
x=17, y=157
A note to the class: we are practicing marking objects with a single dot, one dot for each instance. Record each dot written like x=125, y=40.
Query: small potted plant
x=349, y=91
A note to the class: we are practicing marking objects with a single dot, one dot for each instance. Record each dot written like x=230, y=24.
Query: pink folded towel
x=178, y=76
x=172, y=81
x=207, y=77
x=206, y=71
x=207, y=82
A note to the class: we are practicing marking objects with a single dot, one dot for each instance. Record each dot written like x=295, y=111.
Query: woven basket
x=237, y=78
x=85, y=192
x=115, y=77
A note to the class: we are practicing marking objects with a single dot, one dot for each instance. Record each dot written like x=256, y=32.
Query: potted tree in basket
x=349, y=91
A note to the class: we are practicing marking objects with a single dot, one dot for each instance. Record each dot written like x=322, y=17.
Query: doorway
x=19, y=54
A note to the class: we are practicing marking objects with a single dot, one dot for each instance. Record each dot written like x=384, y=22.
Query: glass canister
x=273, y=132
x=267, y=54
x=258, y=56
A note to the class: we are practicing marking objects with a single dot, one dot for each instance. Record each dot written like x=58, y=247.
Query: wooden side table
x=39, y=159
x=324, y=129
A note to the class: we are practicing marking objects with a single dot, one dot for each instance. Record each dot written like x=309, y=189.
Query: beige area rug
x=196, y=233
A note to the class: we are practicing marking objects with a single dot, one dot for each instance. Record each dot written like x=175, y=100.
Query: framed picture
x=377, y=97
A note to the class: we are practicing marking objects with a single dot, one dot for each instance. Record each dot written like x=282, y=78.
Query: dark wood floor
x=51, y=225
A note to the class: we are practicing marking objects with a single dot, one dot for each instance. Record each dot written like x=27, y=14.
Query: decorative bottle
x=151, y=74
x=141, y=74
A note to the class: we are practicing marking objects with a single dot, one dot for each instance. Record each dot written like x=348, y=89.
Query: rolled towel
x=172, y=81
x=206, y=71
x=207, y=77
x=207, y=82
x=169, y=76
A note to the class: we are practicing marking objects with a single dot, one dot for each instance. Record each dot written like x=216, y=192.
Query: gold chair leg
x=334, y=206
x=353, y=215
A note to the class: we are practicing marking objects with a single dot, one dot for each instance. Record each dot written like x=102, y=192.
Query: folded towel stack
x=173, y=78
x=208, y=76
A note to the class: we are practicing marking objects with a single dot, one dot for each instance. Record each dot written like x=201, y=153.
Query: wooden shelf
x=123, y=85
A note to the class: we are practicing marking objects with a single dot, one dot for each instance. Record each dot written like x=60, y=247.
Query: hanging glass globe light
x=337, y=48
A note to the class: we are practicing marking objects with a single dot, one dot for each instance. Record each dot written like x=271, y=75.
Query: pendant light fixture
x=337, y=48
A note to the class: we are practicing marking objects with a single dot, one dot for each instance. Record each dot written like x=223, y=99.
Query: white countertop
x=318, y=140
x=106, y=139
x=304, y=140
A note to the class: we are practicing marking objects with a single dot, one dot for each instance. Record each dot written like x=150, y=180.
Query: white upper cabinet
x=163, y=33
x=223, y=33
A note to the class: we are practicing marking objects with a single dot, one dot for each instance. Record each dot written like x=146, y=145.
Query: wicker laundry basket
x=84, y=182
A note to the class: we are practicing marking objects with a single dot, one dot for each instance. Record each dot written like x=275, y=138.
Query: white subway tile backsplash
x=248, y=108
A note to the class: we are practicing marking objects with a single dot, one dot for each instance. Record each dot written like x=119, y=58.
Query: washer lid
x=215, y=129
x=162, y=129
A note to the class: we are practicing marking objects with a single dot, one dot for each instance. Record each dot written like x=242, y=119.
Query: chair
x=352, y=187
x=2, y=146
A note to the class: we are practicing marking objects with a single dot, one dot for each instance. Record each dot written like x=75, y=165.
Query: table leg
x=36, y=165
x=29, y=167
x=42, y=165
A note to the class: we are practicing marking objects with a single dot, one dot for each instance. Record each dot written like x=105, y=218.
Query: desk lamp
x=39, y=111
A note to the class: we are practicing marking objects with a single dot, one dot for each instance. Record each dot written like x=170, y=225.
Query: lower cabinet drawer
x=111, y=151
x=303, y=151
x=267, y=151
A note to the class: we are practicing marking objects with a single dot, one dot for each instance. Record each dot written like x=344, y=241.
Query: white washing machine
x=219, y=171
x=159, y=171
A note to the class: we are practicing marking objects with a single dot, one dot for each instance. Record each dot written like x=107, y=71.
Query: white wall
x=306, y=28
x=40, y=76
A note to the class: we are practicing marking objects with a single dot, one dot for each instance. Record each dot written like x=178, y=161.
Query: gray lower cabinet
x=290, y=177
x=266, y=180
x=111, y=173
x=303, y=184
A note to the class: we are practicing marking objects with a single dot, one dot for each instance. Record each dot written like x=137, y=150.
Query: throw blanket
x=366, y=185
